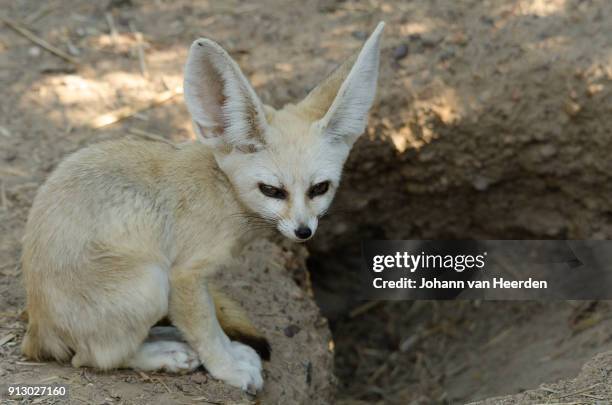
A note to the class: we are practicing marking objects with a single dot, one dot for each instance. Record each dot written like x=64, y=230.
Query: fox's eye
x=318, y=189
x=272, y=192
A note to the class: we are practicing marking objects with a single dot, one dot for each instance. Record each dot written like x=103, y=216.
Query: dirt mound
x=592, y=386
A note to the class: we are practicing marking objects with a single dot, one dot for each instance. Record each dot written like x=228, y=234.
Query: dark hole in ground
x=445, y=351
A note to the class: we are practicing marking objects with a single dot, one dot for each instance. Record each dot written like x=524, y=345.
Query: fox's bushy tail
x=237, y=325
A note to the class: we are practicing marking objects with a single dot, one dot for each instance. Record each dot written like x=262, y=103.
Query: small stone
x=400, y=52
x=297, y=295
x=447, y=53
x=308, y=373
x=34, y=51
x=340, y=228
x=119, y=4
x=431, y=40
x=327, y=6
x=481, y=183
x=459, y=38
x=199, y=378
x=360, y=35
x=548, y=150
x=291, y=330
x=572, y=108
x=593, y=89
x=73, y=50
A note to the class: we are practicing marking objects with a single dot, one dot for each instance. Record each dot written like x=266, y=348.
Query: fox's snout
x=297, y=231
x=303, y=232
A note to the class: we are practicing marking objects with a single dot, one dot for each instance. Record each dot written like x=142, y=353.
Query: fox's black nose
x=303, y=232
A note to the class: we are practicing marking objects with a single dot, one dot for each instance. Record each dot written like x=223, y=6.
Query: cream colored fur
x=127, y=232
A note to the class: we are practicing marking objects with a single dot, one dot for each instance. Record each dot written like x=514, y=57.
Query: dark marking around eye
x=272, y=192
x=318, y=189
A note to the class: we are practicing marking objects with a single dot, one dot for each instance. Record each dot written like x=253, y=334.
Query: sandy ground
x=444, y=92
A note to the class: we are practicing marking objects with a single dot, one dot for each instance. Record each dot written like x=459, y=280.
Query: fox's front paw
x=240, y=366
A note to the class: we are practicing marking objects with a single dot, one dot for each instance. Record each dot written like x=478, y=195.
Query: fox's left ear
x=340, y=104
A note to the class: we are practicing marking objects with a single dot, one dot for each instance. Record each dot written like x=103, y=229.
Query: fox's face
x=291, y=181
x=284, y=165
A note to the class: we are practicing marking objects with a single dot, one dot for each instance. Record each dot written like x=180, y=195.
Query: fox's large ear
x=223, y=105
x=340, y=104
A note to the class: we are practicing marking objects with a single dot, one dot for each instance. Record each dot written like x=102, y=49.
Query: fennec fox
x=125, y=233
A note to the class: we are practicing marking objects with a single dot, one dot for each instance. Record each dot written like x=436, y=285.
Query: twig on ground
x=38, y=41
x=5, y=132
x=165, y=83
x=7, y=338
x=85, y=375
x=362, y=309
x=18, y=188
x=12, y=171
x=563, y=403
x=499, y=337
x=7, y=265
x=47, y=379
x=144, y=376
x=38, y=14
x=208, y=401
x=159, y=380
x=382, y=368
x=581, y=391
x=72, y=48
x=111, y=27
x=548, y=390
x=378, y=372
x=129, y=111
x=593, y=397
x=3, y=199
x=29, y=363
x=140, y=50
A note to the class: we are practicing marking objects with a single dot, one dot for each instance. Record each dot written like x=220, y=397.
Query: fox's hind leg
x=164, y=350
x=110, y=327
x=167, y=355
x=171, y=356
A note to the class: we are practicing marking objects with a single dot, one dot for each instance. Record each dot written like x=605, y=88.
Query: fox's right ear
x=223, y=105
x=340, y=104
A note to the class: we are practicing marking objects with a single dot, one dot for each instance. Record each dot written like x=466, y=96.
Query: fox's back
x=96, y=195
x=130, y=196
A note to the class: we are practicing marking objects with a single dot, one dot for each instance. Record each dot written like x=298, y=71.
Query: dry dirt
x=592, y=385
x=491, y=123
